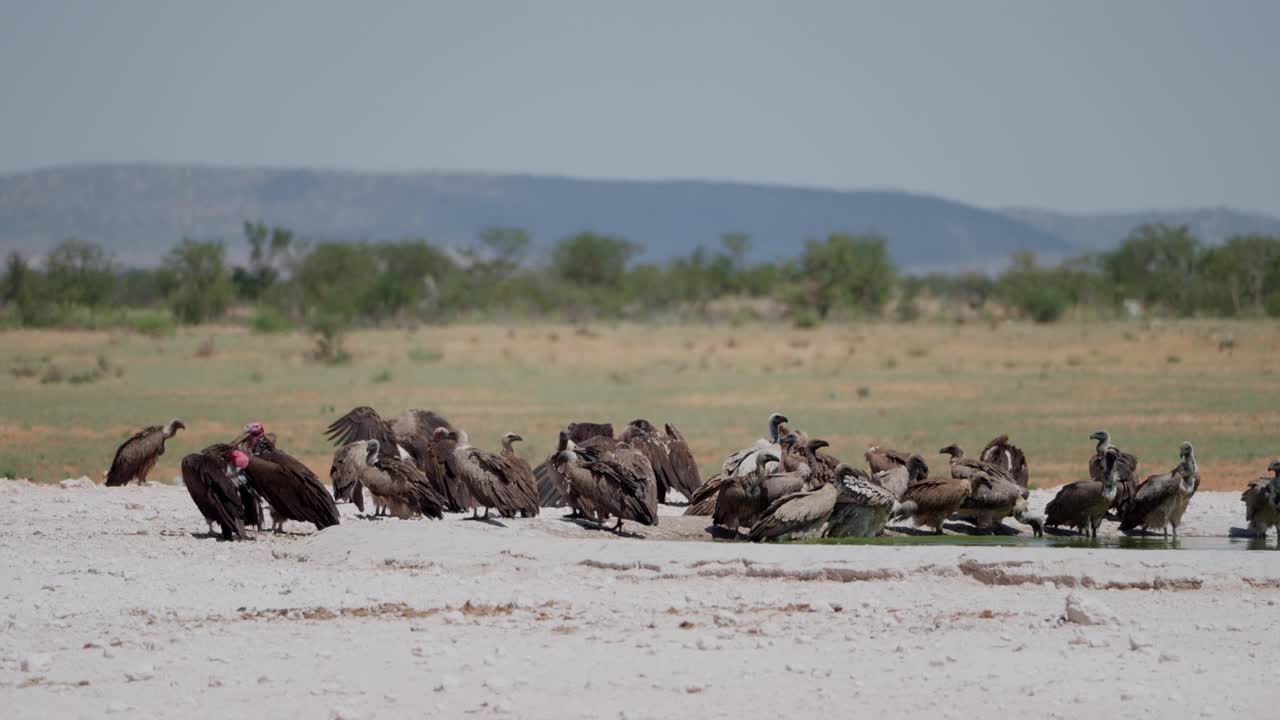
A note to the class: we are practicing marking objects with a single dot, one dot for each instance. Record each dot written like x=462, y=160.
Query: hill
x=1102, y=231
x=139, y=211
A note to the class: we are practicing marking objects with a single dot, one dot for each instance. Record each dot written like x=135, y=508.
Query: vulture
x=443, y=471
x=137, y=456
x=898, y=478
x=1083, y=504
x=862, y=507
x=929, y=502
x=551, y=488
x=522, y=474
x=881, y=459
x=603, y=483
x=1161, y=500
x=703, y=500
x=741, y=499
x=1126, y=467
x=1262, y=503
x=491, y=481
x=992, y=502
x=408, y=437
x=798, y=516
x=213, y=485
x=344, y=477
x=396, y=485
x=742, y=463
x=290, y=488
x=672, y=460
x=962, y=467
x=1009, y=457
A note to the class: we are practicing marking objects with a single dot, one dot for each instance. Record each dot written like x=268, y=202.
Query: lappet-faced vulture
x=1262, y=503
x=290, y=488
x=1083, y=504
x=211, y=481
x=672, y=460
x=1162, y=499
x=798, y=516
x=552, y=488
x=397, y=485
x=408, y=437
x=490, y=480
x=1004, y=454
x=1126, y=467
x=898, y=478
x=882, y=459
x=931, y=501
x=137, y=456
x=862, y=506
x=522, y=475
x=610, y=482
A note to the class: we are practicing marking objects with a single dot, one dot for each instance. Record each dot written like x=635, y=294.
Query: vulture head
x=562, y=443
x=1188, y=455
x=916, y=468
x=239, y=459
x=372, y=448
x=788, y=441
x=775, y=426
x=816, y=444
x=955, y=451
x=440, y=433
x=645, y=425
x=173, y=427
x=1103, y=437
x=1275, y=467
x=511, y=437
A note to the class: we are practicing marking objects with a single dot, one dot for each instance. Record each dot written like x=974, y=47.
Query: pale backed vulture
x=1161, y=500
x=862, y=506
x=138, y=455
x=1262, y=503
x=1083, y=504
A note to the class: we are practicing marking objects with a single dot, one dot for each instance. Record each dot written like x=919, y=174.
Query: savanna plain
x=113, y=600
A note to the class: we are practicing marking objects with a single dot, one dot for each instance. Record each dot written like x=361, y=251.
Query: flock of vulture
x=781, y=487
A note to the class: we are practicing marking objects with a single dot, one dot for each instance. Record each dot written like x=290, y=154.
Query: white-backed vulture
x=898, y=478
x=1004, y=454
x=741, y=499
x=610, y=482
x=798, y=516
x=1083, y=504
x=1126, y=467
x=962, y=467
x=444, y=472
x=489, y=479
x=522, y=475
x=289, y=487
x=672, y=460
x=211, y=481
x=398, y=485
x=930, y=502
x=1262, y=503
x=703, y=500
x=862, y=506
x=551, y=487
x=1162, y=499
x=882, y=459
x=990, y=503
x=743, y=462
x=137, y=456
x=408, y=437
x=344, y=476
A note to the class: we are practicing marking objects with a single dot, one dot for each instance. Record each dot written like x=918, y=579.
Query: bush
x=270, y=320
x=150, y=322
x=806, y=319
x=423, y=356
x=1043, y=304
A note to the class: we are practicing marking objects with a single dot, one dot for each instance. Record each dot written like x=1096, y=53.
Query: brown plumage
x=290, y=488
x=1001, y=453
x=930, y=502
x=882, y=459
x=703, y=500
x=797, y=516
x=1126, y=467
x=138, y=455
x=344, y=477
x=993, y=501
x=407, y=437
x=1083, y=504
x=443, y=471
x=743, y=462
x=489, y=479
x=522, y=475
x=862, y=506
x=551, y=487
x=898, y=478
x=672, y=460
x=1161, y=500
x=1262, y=503
x=606, y=482
x=211, y=481
x=397, y=485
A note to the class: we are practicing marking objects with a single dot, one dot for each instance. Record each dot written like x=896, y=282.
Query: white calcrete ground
x=113, y=602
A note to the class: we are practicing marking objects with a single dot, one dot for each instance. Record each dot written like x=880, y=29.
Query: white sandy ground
x=113, y=603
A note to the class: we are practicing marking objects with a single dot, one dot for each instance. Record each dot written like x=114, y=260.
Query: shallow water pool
x=1066, y=541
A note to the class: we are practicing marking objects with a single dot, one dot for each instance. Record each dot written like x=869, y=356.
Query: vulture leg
x=486, y=514
x=618, y=528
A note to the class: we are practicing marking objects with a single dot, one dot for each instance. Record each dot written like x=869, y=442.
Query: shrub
x=269, y=320
x=150, y=322
x=806, y=319
x=423, y=356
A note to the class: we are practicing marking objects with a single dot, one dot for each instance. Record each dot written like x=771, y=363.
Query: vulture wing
x=1003, y=454
x=935, y=495
x=136, y=455
x=422, y=495
x=635, y=493
x=1153, y=491
x=881, y=459
x=362, y=423
x=703, y=500
x=685, y=476
x=513, y=494
x=292, y=489
x=1072, y=499
x=580, y=432
x=797, y=511
x=214, y=493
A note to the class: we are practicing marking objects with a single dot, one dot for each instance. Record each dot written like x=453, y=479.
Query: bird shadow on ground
x=1243, y=533
x=586, y=524
x=1062, y=532
x=486, y=520
x=719, y=533
x=218, y=537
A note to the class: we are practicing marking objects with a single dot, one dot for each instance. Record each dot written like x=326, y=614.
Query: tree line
x=288, y=282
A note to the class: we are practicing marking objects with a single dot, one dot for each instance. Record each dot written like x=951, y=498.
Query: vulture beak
x=515, y=438
x=817, y=444
x=1099, y=436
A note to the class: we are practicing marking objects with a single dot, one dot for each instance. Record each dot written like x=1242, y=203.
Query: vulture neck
x=1103, y=444
x=169, y=430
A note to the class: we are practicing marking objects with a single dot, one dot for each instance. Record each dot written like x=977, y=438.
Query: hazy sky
x=1072, y=105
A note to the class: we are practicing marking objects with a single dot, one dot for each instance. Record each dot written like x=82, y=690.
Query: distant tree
x=852, y=271
x=337, y=279
x=202, y=286
x=1157, y=265
x=591, y=260
x=269, y=251
x=1241, y=273
x=79, y=273
x=22, y=289
x=504, y=249
x=738, y=245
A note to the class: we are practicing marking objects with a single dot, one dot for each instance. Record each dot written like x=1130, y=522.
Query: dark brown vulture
x=798, y=516
x=608, y=482
x=211, y=481
x=522, y=474
x=672, y=460
x=1262, y=502
x=962, y=467
x=290, y=488
x=703, y=501
x=1161, y=500
x=396, y=485
x=137, y=456
x=741, y=500
x=1001, y=453
x=443, y=471
x=881, y=459
x=1126, y=466
x=408, y=437
x=862, y=506
x=900, y=477
x=1083, y=504
x=490, y=480
x=932, y=501
x=551, y=488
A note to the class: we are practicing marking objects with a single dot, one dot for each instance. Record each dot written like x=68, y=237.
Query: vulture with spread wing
x=138, y=455
x=408, y=437
x=1004, y=454
x=672, y=460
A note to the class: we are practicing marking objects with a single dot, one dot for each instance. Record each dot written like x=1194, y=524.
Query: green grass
x=974, y=382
